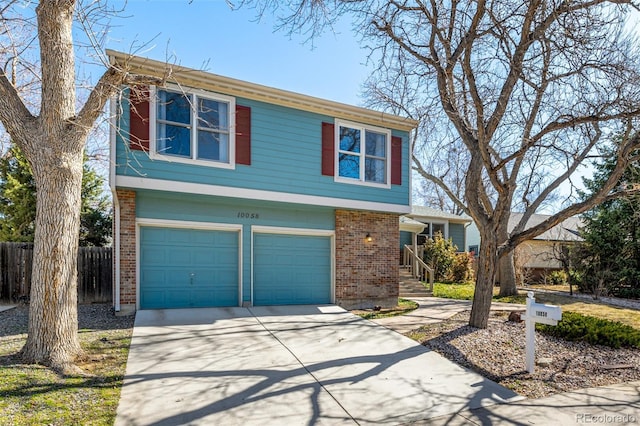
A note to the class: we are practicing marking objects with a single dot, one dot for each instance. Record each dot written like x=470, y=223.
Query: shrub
x=596, y=331
x=461, y=270
x=439, y=254
x=558, y=278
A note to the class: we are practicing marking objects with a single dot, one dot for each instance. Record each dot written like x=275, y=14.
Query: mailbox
x=545, y=314
x=537, y=312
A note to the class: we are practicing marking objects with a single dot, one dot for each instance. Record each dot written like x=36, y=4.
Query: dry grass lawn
x=630, y=317
x=35, y=395
x=569, y=304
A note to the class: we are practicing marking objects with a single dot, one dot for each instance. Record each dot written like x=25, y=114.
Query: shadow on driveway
x=287, y=365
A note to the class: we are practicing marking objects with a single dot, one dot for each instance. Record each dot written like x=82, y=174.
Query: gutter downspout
x=116, y=204
x=466, y=247
x=116, y=248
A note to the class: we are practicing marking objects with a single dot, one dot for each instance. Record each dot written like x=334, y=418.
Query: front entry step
x=411, y=287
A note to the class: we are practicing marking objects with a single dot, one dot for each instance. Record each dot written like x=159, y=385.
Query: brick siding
x=366, y=272
x=127, y=201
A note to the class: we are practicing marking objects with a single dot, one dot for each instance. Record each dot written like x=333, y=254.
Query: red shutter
x=139, y=118
x=396, y=160
x=328, y=149
x=243, y=135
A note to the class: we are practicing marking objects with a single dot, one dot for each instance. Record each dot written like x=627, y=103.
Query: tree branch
x=108, y=85
x=14, y=115
x=418, y=168
x=602, y=195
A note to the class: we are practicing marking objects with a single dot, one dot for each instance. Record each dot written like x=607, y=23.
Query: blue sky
x=207, y=33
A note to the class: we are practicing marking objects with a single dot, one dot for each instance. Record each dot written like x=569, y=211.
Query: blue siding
x=456, y=234
x=201, y=208
x=286, y=157
x=406, y=238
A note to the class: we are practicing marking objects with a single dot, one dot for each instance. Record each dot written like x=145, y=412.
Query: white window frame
x=430, y=224
x=363, y=129
x=153, y=151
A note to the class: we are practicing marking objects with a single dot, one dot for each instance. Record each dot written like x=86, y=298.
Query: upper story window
x=363, y=154
x=193, y=127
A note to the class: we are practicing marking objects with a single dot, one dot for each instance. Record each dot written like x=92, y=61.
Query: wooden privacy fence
x=94, y=273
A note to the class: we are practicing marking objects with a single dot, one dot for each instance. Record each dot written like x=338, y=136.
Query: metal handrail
x=418, y=268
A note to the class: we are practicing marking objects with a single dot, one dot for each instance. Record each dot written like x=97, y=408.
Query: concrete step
x=423, y=293
x=414, y=290
x=414, y=295
x=412, y=285
x=409, y=286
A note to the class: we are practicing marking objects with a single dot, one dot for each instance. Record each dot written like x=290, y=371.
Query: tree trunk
x=55, y=154
x=487, y=262
x=53, y=315
x=508, y=275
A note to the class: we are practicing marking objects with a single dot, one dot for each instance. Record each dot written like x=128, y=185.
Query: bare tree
x=530, y=88
x=52, y=133
x=447, y=162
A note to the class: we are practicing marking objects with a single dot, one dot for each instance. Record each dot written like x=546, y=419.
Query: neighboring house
x=433, y=221
x=536, y=258
x=229, y=193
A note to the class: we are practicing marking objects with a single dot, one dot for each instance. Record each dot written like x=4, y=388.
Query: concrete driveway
x=288, y=365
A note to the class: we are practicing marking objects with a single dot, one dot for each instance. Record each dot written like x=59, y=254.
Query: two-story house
x=229, y=193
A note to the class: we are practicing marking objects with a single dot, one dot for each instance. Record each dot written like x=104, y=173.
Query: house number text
x=248, y=215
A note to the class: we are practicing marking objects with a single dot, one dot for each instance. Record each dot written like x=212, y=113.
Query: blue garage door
x=291, y=269
x=185, y=268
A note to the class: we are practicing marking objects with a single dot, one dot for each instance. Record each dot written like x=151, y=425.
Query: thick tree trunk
x=487, y=263
x=55, y=154
x=508, y=275
x=53, y=315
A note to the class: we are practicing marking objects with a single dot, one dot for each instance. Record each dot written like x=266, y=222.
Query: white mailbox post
x=537, y=312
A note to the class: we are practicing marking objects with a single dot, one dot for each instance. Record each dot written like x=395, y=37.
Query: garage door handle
x=191, y=278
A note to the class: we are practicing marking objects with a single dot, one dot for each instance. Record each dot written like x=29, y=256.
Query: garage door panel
x=152, y=275
x=178, y=297
x=166, y=257
x=204, y=239
x=181, y=268
x=291, y=269
x=153, y=256
x=203, y=256
x=227, y=258
x=155, y=236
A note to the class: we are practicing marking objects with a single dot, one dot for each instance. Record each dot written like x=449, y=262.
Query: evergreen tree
x=609, y=260
x=18, y=203
x=17, y=198
x=95, y=214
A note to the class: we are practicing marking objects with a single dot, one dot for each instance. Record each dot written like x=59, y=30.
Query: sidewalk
x=6, y=307
x=607, y=405
x=435, y=309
